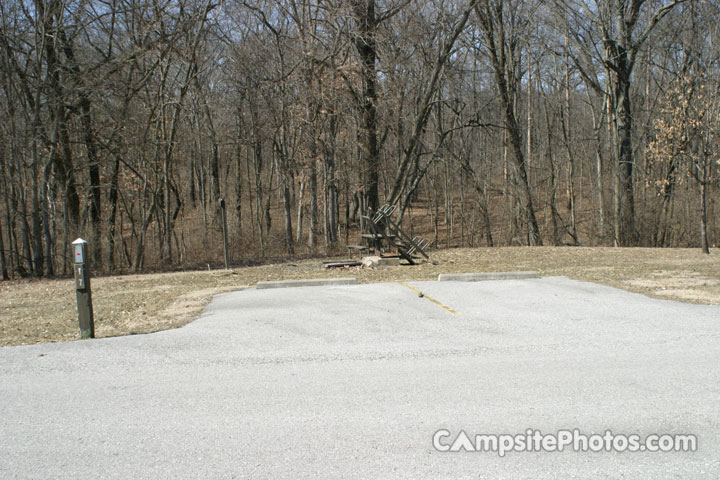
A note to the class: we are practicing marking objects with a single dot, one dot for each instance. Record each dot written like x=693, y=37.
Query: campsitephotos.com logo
x=571, y=440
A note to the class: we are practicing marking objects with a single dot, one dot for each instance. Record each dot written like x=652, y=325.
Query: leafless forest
x=486, y=122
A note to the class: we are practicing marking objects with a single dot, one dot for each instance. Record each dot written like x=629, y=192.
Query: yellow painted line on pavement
x=436, y=302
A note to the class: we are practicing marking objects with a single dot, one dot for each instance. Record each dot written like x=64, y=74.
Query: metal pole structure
x=225, y=238
x=81, y=262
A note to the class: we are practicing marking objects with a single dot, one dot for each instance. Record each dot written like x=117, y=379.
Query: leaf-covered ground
x=33, y=311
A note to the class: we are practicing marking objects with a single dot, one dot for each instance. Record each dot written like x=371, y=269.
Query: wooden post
x=81, y=262
x=224, y=228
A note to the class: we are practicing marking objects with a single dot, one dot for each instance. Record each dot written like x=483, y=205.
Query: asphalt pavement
x=355, y=381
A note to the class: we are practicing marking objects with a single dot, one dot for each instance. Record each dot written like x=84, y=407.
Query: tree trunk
x=287, y=204
x=300, y=211
x=516, y=143
x=554, y=215
x=13, y=257
x=93, y=162
x=503, y=58
x=313, y=221
x=63, y=157
x=112, y=200
x=214, y=157
x=366, y=48
x=627, y=234
x=331, y=189
x=25, y=266
x=238, y=173
x=567, y=133
x=598, y=167
x=3, y=264
x=38, y=262
x=704, y=244
x=486, y=218
x=285, y=181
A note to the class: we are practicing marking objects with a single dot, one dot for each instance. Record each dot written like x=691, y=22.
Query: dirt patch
x=680, y=285
x=33, y=311
x=690, y=295
x=191, y=304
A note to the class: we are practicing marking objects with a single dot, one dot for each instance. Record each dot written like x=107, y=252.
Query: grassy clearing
x=34, y=311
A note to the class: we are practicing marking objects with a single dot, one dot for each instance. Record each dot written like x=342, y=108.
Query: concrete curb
x=319, y=282
x=479, y=277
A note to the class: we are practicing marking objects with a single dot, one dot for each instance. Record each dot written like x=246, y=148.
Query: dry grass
x=35, y=311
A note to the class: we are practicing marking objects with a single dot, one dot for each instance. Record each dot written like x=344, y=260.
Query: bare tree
x=620, y=28
x=502, y=24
